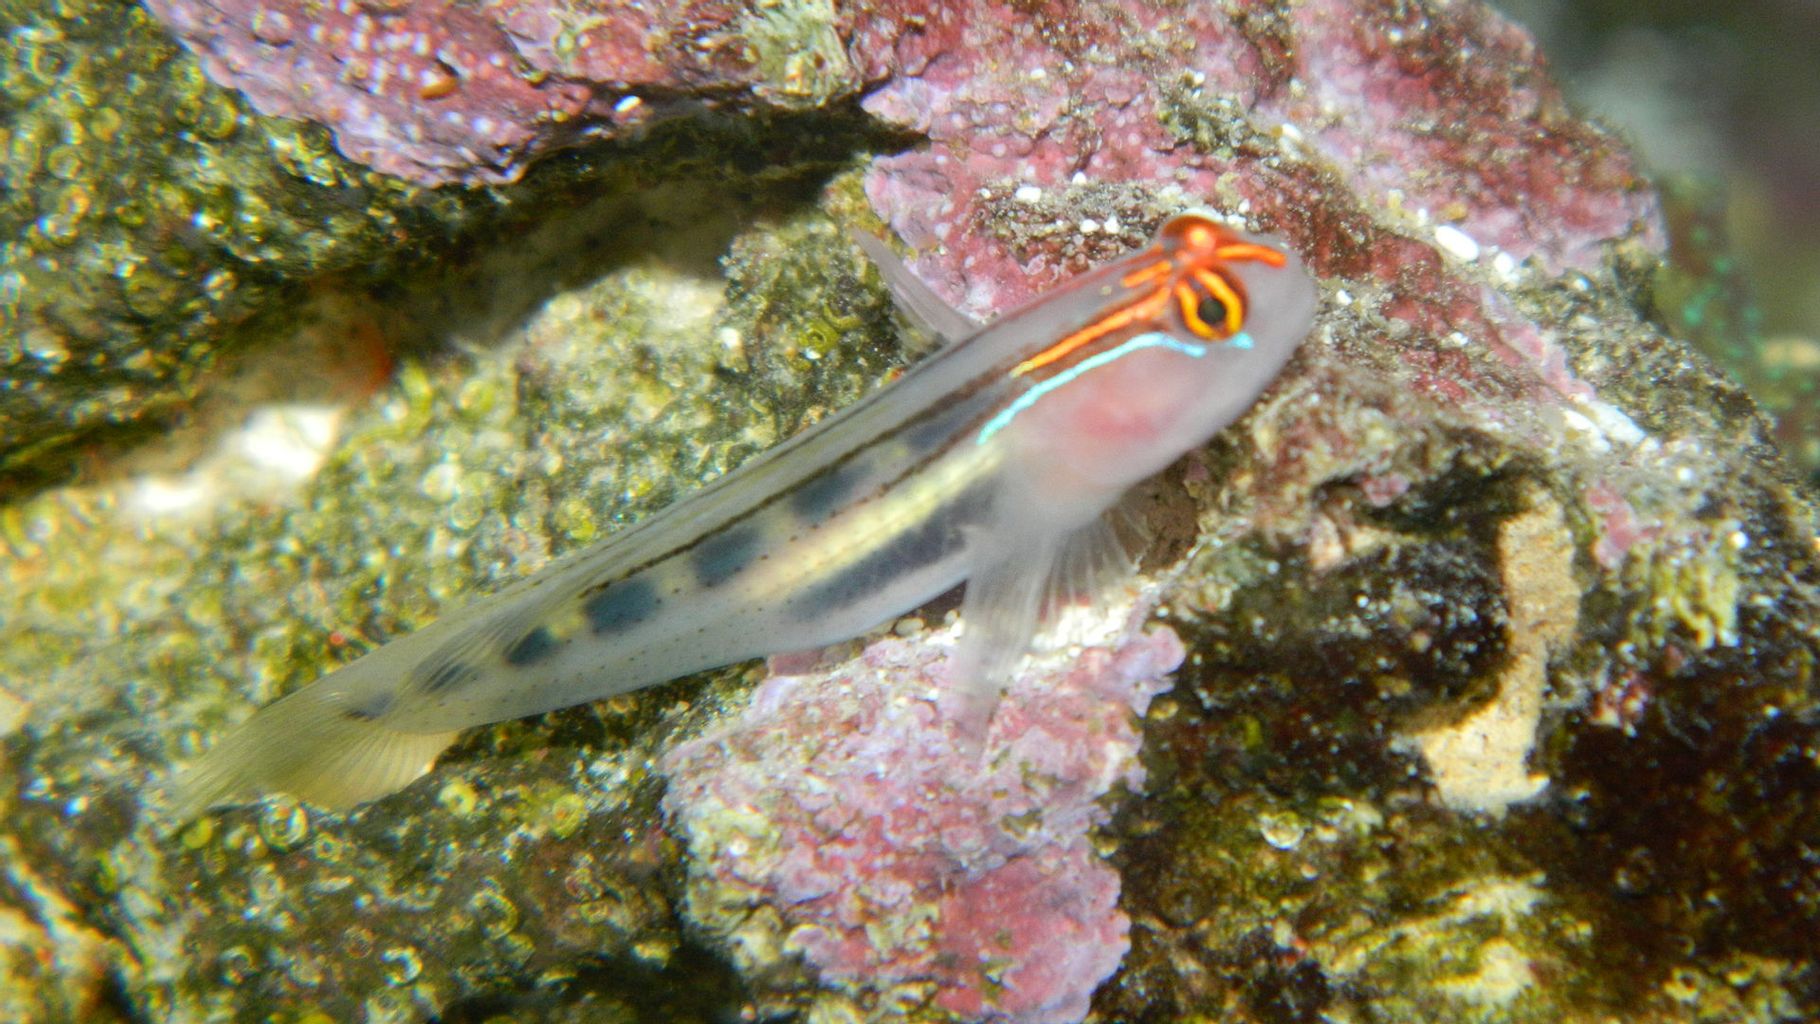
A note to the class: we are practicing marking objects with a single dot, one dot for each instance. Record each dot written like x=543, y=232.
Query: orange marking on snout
x=1200, y=247
x=1158, y=269
x=1251, y=251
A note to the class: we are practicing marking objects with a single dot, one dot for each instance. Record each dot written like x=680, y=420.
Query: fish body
x=991, y=462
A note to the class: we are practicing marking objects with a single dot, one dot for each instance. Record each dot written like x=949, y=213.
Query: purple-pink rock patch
x=436, y=91
x=898, y=856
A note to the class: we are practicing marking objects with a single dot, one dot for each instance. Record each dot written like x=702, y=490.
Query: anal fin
x=314, y=745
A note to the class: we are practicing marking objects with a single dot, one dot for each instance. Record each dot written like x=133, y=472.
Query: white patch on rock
x=1481, y=763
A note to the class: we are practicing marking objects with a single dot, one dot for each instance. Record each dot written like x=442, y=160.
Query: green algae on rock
x=157, y=224
x=147, y=213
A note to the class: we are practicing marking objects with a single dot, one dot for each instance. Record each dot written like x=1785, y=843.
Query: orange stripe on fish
x=1250, y=251
x=1201, y=249
x=1143, y=309
x=1160, y=268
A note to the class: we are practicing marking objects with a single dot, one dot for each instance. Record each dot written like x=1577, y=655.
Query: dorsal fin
x=926, y=311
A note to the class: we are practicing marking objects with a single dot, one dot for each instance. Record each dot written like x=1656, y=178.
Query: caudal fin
x=312, y=745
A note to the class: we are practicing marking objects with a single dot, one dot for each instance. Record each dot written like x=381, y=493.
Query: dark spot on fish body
x=531, y=648
x=938, y=537
x=374, y=709
x=935, y=431
x=721, y=556
x=939, y=428
x=817, y=499
x=620, y=606
x=447, y=676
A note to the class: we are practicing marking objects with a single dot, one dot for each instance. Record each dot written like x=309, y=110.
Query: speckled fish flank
x=992, y=463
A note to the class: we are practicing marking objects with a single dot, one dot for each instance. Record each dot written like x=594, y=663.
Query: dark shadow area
x=694, y=987
x=472, y=265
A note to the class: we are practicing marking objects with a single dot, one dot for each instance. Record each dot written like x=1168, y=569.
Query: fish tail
x=314, y=745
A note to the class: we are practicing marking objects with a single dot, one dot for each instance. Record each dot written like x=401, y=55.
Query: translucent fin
x=999, y=614
x=925, y=310
x=1038, y=582
x=313, y=745
x=1093, y=562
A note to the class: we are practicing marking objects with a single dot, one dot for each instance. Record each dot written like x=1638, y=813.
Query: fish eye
x=1216, y=309
x=1212, y=311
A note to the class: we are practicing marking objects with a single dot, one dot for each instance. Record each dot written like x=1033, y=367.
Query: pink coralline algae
x=1434, y=108
x=896, y=856
x=1415, y=153
x=1449, y=109
x=1438, y=107
x=436, y=91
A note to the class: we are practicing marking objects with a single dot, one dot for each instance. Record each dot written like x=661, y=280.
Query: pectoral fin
x=1010, y=598
x=1093, y=563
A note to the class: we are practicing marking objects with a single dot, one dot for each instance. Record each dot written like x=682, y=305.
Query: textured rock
x=438, y=92
x=153, y=213
x=157, y=224
x=840, y=817
x=146, y=214
x=1500, y=611
x=542, y=888
x=1433, y=115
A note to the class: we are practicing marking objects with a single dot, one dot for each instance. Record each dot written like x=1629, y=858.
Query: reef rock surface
x=1470, y=676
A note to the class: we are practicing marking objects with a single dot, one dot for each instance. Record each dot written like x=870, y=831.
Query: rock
x=1499, y=610
x=148, y=216
x=838, y=818
x=159, y=225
